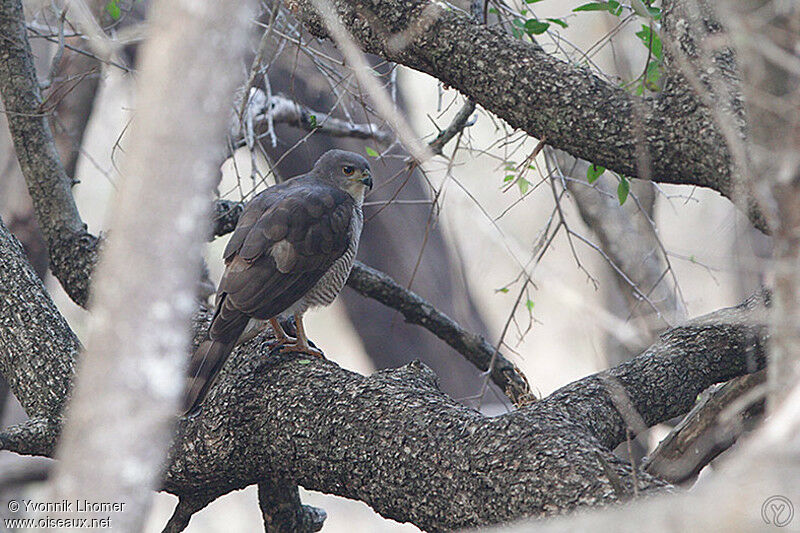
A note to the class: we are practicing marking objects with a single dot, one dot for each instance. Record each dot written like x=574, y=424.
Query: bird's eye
x=348, y=170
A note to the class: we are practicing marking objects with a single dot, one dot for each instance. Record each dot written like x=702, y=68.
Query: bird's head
x=347, y=170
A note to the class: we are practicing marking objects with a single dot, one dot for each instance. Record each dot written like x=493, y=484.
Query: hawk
x=292, y=249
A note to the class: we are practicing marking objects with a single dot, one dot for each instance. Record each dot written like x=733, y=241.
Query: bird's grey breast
x=331, y=283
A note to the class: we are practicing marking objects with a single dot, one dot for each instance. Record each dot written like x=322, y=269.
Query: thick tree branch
x=35, y=340
x=709, y=429
x=35, y=436
x=72, y=248
x=665, y=380
x=748, y=493
x=574, y=109
x=380, y=287
x=394, y=441
x=397, y=443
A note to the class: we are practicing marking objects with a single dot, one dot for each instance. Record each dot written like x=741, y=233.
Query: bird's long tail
x=204, y=368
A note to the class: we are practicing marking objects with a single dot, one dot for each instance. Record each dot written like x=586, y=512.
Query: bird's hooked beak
x=366, y=179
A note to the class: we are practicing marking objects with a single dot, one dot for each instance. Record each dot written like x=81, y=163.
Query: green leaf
x=112, y=7
x=532, y=1
x=597, y=6
x=612, y=6
x=655, y=12
x=508, y=178
x=536, y=27
x=651, y=40
x=560, y=22
x=503, y=290
x=529, y=305
x=623, y=189
x=371, y=152
x=524, y=185
x=652, y=75
x=592, y=6
x=312, y=119
x=594, y=172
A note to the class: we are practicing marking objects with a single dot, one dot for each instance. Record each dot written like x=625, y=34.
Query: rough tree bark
x=392, y=439
x=572, y=108
x=48, y=184
x=746, y=494
x=396, y=442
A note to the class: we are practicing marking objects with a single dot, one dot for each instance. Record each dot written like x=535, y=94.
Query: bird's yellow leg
x=280, y=335
x=301, y=345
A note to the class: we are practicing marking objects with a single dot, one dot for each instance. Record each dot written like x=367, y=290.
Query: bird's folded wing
x=284, y=243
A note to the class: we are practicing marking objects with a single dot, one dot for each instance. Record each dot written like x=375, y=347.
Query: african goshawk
x=292, y=249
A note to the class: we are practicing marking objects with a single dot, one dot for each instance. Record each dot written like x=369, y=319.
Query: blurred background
x=464, y=231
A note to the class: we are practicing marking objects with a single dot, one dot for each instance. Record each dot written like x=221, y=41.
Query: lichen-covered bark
x=414, y=454
x=35, y=340
x=71, y=246
x=572, y=108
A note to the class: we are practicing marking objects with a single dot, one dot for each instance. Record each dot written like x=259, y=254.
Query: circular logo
x=777, y=511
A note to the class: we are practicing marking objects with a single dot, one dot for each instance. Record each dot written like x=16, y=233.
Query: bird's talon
x=298, y=348
x=286, y=341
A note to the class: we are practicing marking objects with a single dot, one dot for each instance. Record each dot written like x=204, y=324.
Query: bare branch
x=281, y=109
x=186, y=507
x=460, y=121
x=705, y=433
x=282, y=511
x=380, y=287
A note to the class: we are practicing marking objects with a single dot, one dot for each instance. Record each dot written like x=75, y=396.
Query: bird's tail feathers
x=204, y=368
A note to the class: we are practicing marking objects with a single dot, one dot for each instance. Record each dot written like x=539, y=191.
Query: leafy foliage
x=594, y=172
x=623, y=189
x=113, y=9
